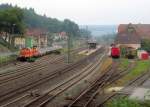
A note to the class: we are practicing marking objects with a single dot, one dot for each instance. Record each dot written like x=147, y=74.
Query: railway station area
x=74, y=53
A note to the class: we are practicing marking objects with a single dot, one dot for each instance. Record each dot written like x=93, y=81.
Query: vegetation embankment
x=126, y=102
x=6, y=59
x=3, y=49
x=141, y=67
x=106, y=64
x=124, y=63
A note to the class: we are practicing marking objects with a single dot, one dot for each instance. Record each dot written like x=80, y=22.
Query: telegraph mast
x=68, y=46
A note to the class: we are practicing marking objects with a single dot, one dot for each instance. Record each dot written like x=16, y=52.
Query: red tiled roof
x=142, y=30
x=62, y=34
x=36, y=32
x=127, y=38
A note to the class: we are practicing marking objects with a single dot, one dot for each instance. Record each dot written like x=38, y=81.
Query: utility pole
x=68, y=46
x=13, y=32
x=87, y=36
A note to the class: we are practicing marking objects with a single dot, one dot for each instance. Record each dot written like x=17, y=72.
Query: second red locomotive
x=115, y=52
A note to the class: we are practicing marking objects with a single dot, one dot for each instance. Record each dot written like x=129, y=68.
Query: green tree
x=11, y=21
x=70, y=27
x=145, y=44
x=33, y=20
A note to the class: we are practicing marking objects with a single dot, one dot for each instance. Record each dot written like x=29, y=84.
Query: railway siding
x=127, y=87
x=84, y=60
x=70, y=93
x=65, y=87
x=86, y=99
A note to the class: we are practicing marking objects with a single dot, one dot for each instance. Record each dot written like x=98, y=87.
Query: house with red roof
x=39, y=35
x=130, y=35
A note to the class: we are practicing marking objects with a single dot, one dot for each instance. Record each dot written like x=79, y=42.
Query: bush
x=145, y=44
x=123, y=102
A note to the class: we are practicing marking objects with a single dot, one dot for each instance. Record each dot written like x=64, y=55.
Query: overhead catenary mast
x=87, y=37
x=68, y=46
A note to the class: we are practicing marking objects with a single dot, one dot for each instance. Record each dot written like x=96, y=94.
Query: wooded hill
x=18, y=19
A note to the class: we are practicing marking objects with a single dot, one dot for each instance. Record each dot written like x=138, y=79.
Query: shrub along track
x=49, y=76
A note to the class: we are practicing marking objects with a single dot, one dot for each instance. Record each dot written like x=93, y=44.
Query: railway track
x=133, y=84
x=27, y=70
x=31, y=68
x=51, y=94
x=48, y=77
x=138, y=81
x=86, y=96
x=85, y=99
x=16, y=90
x=44, y=60
x=10, y=92
x=27, y=95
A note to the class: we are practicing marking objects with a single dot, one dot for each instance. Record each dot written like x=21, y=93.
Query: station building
x=92, y=44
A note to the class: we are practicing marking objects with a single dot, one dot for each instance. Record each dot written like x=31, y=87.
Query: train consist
x=116, y=52
x=30, y=54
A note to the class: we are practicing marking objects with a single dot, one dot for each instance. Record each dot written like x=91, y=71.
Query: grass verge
x=125, y=102
x=124, y=64
x=141, y=67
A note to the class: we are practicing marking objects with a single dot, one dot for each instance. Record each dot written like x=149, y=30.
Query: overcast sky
x=94, y=12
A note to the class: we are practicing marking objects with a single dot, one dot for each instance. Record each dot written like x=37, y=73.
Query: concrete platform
x=141, y=94
x=146, y=84
x=89, y=51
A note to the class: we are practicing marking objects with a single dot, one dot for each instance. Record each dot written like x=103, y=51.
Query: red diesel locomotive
x=27, y=53
x=30, y=54
x=115, y=52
